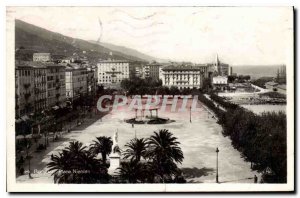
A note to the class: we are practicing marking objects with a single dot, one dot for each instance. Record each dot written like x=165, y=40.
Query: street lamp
x=217, y=175
x=190, y=114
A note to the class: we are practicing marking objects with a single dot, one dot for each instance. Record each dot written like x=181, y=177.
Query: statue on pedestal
x=114, y=157
x=115, y=147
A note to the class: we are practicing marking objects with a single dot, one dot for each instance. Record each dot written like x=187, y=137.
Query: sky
x=239, y=35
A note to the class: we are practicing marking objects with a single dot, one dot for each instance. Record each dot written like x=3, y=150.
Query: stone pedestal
x=114, y=160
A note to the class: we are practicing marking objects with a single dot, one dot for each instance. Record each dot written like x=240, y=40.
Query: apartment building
x=183, y=76
x=112, y=72
x=76, y=82
x=39, y=86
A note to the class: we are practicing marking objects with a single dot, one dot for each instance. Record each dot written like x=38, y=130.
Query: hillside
x=30, y=39
x=129, y=52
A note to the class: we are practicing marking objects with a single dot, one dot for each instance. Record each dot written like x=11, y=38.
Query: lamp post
x=217, y=175
x=190, y=114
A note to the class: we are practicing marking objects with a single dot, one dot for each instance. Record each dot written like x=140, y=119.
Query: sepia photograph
x=150, y=99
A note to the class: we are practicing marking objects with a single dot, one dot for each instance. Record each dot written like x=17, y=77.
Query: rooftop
x=183, y=67
x=35, y=64
x=41, y=53
x=220, y=77
x=114, y=61
x=154, y=64
x=74, y=66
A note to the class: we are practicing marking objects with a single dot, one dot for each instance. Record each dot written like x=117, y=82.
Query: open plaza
x=197, y=131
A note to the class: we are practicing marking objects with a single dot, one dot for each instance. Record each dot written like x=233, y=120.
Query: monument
x=115, y=156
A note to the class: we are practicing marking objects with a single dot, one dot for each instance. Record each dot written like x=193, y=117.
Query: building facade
x=91, y=80
x=136, y=69
x=151, y=71
x=183, y=76
x=112, y=72
x=76, y=82
x=220, y=82
x=39, y=86
x=24, y=90
x=56, y=87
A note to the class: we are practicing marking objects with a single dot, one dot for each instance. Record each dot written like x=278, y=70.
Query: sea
x=257, y=71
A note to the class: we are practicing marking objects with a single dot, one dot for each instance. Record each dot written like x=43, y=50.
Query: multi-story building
x=112, y=72
x=183, y=76
x=39, y=86
x=136, y=69
x=76, y=82
x=56, y=87
x=144, y=70
x=24, y=90
x=188, y=75
x=139, y=72
x=41, y=57
x=220, y=82
x=152, y=70
x=91, y=80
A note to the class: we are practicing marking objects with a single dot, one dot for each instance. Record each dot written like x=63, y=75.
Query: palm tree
x=68, y=165
x=60, y=165
x=131, y=172
x=70, y=160
x=102, y=145
x=136, y=149
x=76, y=150
x=164, y=153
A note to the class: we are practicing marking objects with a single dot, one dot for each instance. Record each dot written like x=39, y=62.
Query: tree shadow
x=196, y=172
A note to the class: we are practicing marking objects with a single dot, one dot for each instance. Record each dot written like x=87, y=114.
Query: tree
x=102, y=145
x=76, y=165
x=136, y=149
x=164, y=153
x=231, y=79
x=132, y=172
x=206, y=84
x=174, y=90
x=163, y=90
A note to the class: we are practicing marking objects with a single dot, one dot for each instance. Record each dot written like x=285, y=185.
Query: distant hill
x=128, y=51
x=30, y=39
x=256, y=71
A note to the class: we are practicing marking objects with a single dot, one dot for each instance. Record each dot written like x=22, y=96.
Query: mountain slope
x=32, y=39
x=128, y=51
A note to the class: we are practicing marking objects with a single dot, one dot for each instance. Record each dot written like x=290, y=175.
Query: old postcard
x=150, y=99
